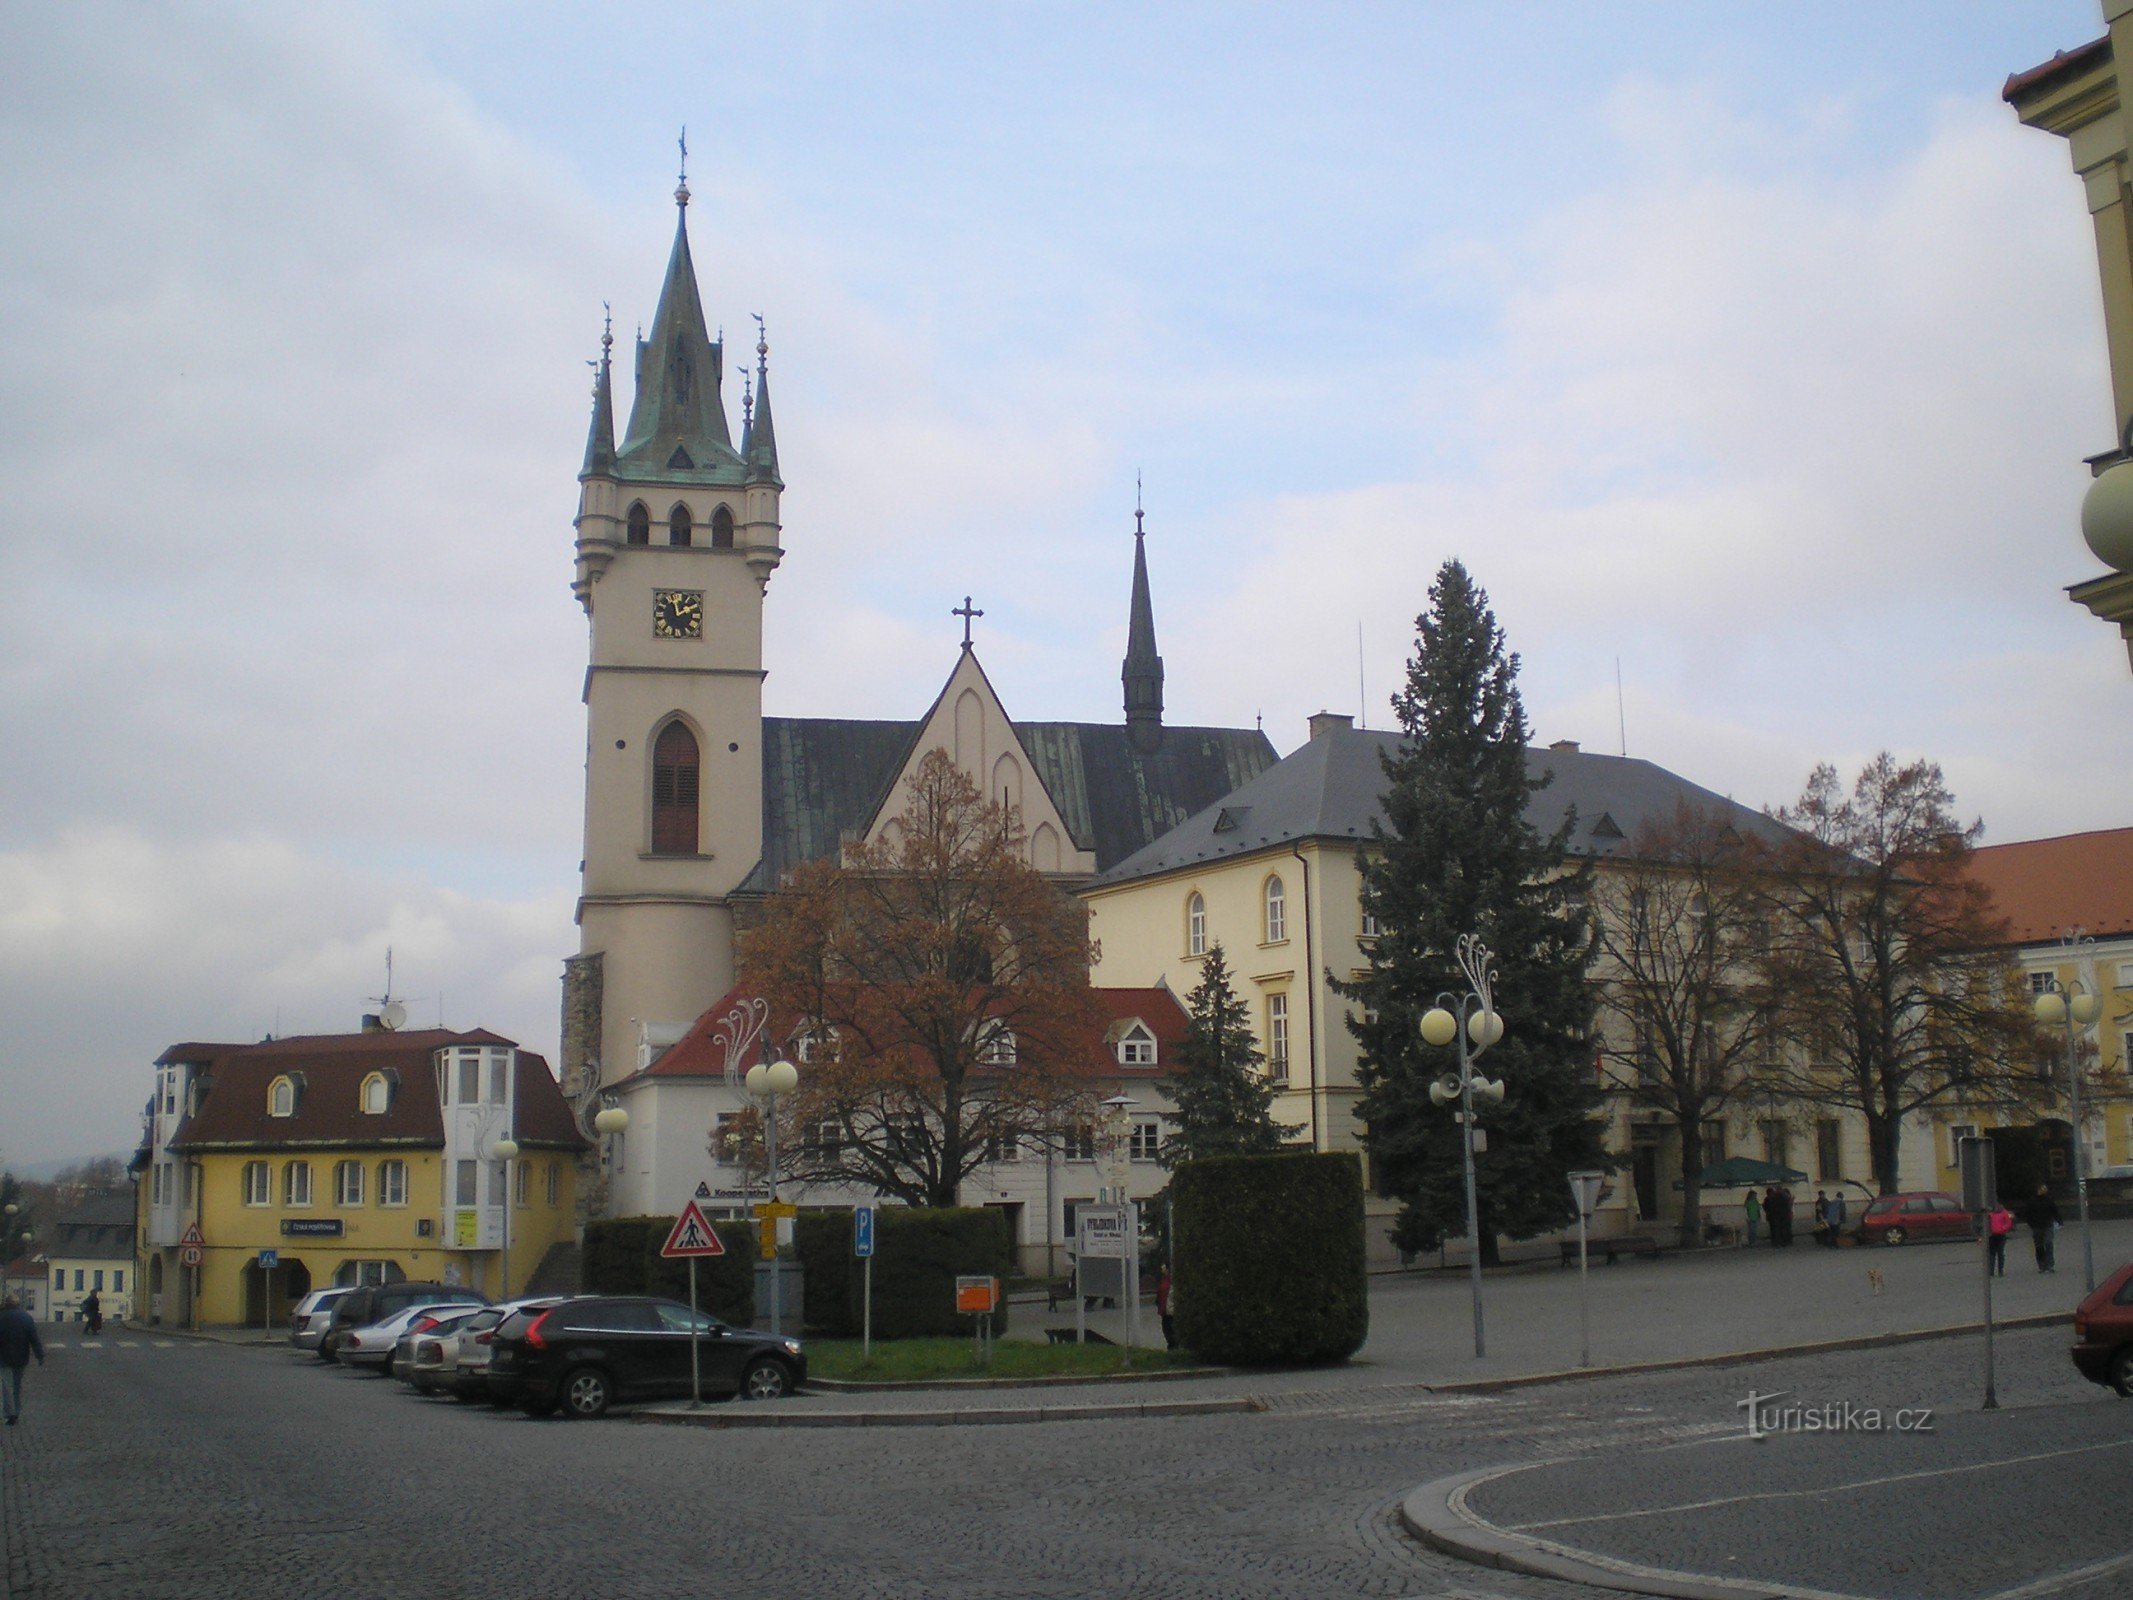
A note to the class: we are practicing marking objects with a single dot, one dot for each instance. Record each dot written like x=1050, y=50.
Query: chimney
x=1325, y=722
x=372, y=1023
x=1565, y=747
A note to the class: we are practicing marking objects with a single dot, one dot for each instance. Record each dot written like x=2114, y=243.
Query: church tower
x=677, y=536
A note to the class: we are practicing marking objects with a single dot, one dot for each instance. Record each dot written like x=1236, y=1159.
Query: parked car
x=1906, y=1218
x=307, y=1323
x=455, y=1360
x=433, y=1323
x=2103, y=1333
x=598, y=1350
x=375, y=1302
x=374, y=1344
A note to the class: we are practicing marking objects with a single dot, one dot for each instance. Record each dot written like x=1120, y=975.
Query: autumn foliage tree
x=941, y=987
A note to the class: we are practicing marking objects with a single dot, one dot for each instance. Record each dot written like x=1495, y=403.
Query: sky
x=1746, y=356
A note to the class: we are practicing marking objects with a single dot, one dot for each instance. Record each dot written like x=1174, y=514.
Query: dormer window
x=997, y=1048
x=1136, y=1046
x=281, y=1097
x=377, y=1095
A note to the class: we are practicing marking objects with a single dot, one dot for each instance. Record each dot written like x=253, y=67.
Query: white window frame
x=1136, y=1047
x=1277, y=1036
x=1147, y=1138
x=281, y=1097
x=375, y=1088
x=1196, y=924
x=348, y=1183
x=1957, y=1133
x=258, y=1184
x=392, y=1182
x=998, y=1047
x=1274, y=904
x=296, y=1183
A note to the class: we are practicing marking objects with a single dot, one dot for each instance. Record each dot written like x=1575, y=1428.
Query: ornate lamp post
x=2076, y=1010
x=1471, y=1019
x=766, y=1081
x=610, y=1122
x=506, y=1150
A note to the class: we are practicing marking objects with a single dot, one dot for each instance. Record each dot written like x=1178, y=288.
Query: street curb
x=1437, y=1514
x=1734, y=1358
x=968, y=1416
x=233, y=1337
x=1045, y=1381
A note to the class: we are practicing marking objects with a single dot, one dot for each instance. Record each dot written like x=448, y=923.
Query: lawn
x=917, y=1360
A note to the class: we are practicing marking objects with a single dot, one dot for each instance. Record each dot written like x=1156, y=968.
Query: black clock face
x=677, y=613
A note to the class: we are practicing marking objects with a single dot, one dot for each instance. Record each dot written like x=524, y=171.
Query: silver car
x=454, y=1359
x=377, y=1345
x=307, y=1323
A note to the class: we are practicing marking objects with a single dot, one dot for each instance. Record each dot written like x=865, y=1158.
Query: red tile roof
x=2078, y=59
x=332, y=1068
x=2045, y=887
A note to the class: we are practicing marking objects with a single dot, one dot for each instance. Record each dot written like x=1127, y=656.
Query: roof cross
x=966, y=612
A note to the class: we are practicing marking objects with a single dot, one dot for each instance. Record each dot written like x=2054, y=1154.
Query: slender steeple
x=678, y=422
x=1143, y=674
x=600, y=437
x=759, y=445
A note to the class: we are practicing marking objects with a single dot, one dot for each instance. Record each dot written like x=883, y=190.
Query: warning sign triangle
x=192, y=1235
x=693, y=1235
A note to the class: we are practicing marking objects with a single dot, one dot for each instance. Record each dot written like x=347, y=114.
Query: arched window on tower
x=678, y=525
x=722, y=529
x=640, y=524
x=674, y=791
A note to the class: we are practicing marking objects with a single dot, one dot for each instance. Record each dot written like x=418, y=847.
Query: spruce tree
x=1456, y=854
x=1224, y=1102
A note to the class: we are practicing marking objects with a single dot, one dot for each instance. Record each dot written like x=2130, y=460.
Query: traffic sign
x=269, y=1260
x=862, y=1231
x=692, y=1235
x=191, y=1255
x=192, y=1235
x=767, y=1238
x=776, y=1208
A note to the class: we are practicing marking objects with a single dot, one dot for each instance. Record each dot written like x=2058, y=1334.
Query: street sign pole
x=696, y=1370
x=1585, y=1190
x=863, y=1247
x=1977, y=1161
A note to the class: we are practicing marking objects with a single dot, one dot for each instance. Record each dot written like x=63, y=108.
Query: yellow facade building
x=276, y=1168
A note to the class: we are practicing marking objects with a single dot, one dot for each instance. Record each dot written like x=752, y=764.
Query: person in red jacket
x=1999, y=1223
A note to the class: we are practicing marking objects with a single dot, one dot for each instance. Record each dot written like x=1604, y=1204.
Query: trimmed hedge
x=621, y=1256
x=1268, y=1258
x=919, y=1252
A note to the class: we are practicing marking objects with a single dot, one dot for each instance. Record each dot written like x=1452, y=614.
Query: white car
x=307, y=1323
x=454, y=1359
x=373, y=1346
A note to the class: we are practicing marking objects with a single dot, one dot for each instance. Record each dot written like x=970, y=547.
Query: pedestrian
x=1783, y=1222
x=92, y=1312
x=1836, y=1219
x=1752, y=1212
x=1774, y=1209
x=1162, y=1307
x=1823, y=1236
x=18, y=1342
x=2042, y=1215
x=1999, y=1223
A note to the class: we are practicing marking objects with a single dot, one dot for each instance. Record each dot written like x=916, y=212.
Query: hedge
x=621, y=1256
x=1267, y=1263
x=919, y=1252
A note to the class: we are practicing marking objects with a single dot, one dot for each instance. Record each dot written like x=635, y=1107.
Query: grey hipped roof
x=825, y=778
x=1330, y=789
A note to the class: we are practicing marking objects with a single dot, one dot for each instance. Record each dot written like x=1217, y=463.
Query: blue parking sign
x=862, y=1230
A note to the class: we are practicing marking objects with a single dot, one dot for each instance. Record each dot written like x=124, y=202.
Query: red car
x=2103, y=1333
x=1895, y=1218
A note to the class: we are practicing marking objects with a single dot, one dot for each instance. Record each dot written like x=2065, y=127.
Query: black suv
x=586, y=1354
x=381, y=1300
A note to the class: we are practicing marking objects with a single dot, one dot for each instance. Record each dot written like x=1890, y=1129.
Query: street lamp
x=767, y=1080
x=610, y=1122
x=27, y=1236
x=506, y=1151
x=1471, y=1019
x=8, y=1232
x=2076, y=1011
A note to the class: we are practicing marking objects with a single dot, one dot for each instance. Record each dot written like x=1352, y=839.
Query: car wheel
x=586, y=1392
x=1892, y=1236
x=766, y=1380
x=2122, y=1372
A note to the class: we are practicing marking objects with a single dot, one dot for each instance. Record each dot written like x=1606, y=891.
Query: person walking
x=1823, y=1236
x=2042, y=1215
x=1774, y=1209
x=1162, y=1307
x=1752, y=1213
x=1836, y=1219
x=1781, y=1224
x=18, y=1342
x=1999, y=1223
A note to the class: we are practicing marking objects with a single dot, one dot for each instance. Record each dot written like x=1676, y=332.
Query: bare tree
x=1680, y=922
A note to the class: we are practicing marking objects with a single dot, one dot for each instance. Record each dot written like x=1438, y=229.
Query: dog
x=1875, y=1280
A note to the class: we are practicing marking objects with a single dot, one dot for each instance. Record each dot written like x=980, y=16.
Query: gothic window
x=377, y=1095
x=1277, y=911
x=640, y=524
x=678, y=525
x=281, y=1098
x=722, y=529
x=674, y=790
x=1196, y=926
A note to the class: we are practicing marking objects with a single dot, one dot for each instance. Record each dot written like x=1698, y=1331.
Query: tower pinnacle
x=1143, y=672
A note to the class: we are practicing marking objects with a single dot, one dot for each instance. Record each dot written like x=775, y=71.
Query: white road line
x=2058, y=1581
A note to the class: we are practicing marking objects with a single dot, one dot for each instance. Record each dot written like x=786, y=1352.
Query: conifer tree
x=1224, y=1102
x=1455, y=853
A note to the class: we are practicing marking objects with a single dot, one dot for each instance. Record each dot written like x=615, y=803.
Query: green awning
x=1741, y=1172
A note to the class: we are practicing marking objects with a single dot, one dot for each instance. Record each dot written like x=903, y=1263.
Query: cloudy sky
x=1754, y=349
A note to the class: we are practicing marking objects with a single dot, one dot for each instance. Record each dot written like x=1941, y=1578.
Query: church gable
x=968, y=722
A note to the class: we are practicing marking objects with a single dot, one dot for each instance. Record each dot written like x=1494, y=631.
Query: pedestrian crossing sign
x=692, y=1235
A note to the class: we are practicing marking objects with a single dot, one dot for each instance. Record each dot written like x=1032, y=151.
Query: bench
x=1628, y=1244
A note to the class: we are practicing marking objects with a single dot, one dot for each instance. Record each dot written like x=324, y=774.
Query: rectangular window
x=499, y=1064
x=1370, y=926
x=525, y=1183
x=2125, y=974
x=1714, y=1143
x=155, y=1185
x=59, y=1280
x=467, y=1178
x=348, y=1183
x=191, y=1176
x=296, y=1184
x=469, y=1077
x=1829, y=1150
x=77, y=1280
x=97, y=1280
x=255, y=1183
x=1003, y=1147
x=1080, y=1144
x=1147, y=1138
x=1277, y=1037
x=392, y=1183
x=118, y=1280
x=1647, y=1051
x=2040, y=983
x=1957, y=1133
x=824, y=1139
x=1777, y=1143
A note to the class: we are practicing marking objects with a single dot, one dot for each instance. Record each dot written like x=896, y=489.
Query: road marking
x=2062, y=1580
x=1826, y=1488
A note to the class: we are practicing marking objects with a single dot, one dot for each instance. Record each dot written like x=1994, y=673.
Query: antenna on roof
x=392, y=1015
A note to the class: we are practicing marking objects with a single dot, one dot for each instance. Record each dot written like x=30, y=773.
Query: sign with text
x=313, y=1227
x=1102, y=1231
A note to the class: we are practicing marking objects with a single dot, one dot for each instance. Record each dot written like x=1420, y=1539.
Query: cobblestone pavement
x=156, y=1468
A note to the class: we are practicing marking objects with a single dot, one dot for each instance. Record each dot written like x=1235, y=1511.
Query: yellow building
x=297, y=1163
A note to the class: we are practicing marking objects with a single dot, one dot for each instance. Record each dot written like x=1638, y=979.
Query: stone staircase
x=558, y=1271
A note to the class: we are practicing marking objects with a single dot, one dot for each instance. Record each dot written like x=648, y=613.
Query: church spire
x=678, y=422
x=1143, y=674
x=759, y=445
x=600, y=437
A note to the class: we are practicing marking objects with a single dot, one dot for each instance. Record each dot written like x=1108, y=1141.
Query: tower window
x=674, y=790
x=722, y=529
x=679, y=527
x=640, y=531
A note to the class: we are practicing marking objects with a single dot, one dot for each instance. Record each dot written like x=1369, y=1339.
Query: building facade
x=92, y=1252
